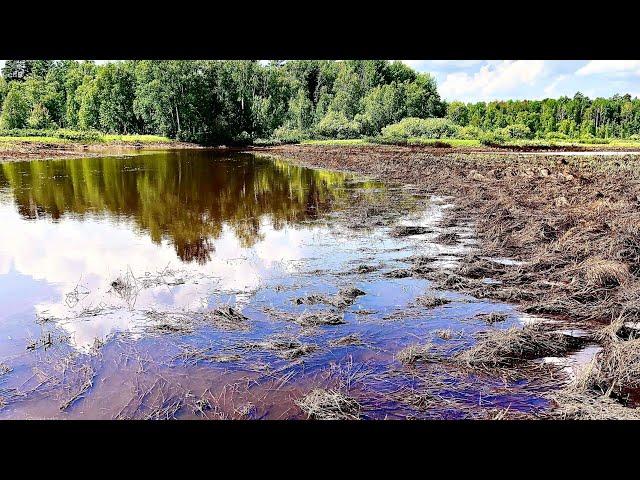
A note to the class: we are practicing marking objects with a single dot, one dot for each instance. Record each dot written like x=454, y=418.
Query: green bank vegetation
x=244, y=102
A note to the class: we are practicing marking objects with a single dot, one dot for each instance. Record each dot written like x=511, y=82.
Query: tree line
x=212, y=101
x=243, y=101
x=615, y=117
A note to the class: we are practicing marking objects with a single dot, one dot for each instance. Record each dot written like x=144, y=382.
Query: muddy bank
x=25, y=150
x=570, y=223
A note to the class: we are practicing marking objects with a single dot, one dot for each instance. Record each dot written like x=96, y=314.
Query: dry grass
x=449, y=238
x=601, y=273
x=284, y=347
x=573, y=221
x=320, y=404
x=406, y=231
x=616, y=369
x=577, y=405
x=351, y=339
x=493, y=317
x=417, y=353
x=313, y=319
x=4, y=369
x=344, y=298
x=496, y=348
x=430, y=301
x=228, y=318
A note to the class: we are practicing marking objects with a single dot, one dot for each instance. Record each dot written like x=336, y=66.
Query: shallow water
x=109, y=268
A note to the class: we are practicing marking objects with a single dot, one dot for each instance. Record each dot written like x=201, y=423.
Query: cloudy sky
x=475, y=80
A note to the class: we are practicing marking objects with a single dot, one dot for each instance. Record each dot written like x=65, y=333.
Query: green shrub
x=516, y=131
x=492, y=139
x=556, y=136
x=388, y=140
x=590, y=139
x=469, y=133
x=421, y=127
x=15, y=109
x=336, y=125
x=75, y=135
x=64, y=134
x=40, y=118
x=635, y=136
x=284, y=135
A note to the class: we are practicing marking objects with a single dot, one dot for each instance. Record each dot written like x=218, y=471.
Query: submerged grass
x=320, y=404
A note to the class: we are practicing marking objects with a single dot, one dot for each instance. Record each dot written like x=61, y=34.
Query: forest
x=242, y=101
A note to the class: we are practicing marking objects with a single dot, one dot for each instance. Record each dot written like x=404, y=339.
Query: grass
x=69, y=136
x=322, y=404
x=474, y=143
x=508, y=347
x=348, y=141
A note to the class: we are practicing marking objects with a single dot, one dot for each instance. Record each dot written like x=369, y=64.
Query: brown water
x=110, y=266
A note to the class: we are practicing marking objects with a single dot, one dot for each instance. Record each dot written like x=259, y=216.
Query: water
x=110, y=266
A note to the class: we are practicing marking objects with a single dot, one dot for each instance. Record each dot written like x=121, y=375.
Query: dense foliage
x=285, y=101
x=562, y=118
x=214, y=101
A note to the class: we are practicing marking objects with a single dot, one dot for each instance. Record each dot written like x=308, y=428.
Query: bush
x=590, y=139
x=85, y=135
x=556, y=136
x=635, y=136
x=40, y=117
x=421, y=127
x=517, y=131
x=284, y=135
x=492, y=139
x=469, y=133
x=64, y=134
x=335, y=125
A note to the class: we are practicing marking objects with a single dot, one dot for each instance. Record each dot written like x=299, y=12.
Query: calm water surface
x=108, y=265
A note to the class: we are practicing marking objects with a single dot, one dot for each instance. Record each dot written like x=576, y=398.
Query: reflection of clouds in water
x=93, y=253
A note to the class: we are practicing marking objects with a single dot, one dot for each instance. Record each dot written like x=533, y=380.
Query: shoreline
x=21, y=150
x=26, y=150
x=554, y=196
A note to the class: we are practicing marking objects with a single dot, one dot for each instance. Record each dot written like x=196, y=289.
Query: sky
x=484, y=80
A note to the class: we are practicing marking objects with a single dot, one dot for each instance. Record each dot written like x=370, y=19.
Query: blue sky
x=475, y=80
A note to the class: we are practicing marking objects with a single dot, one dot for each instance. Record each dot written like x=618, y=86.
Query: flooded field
x=187, y=284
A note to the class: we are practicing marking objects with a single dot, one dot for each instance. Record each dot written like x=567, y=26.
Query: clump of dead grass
x=448, y=238
x=284, y=347
x=417, y=353
x=602, y=273
x=493, y=317
x=616, y=368
x=431, y=301
x=227, y=317
x=313, y=319
x=351, y=339
x=4, y=369
x=496, y=348
x=320, y=404
x=409, y=230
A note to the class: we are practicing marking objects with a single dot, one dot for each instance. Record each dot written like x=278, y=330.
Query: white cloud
x=551, y=89
x=422, y=64
x=493, y=80
x=595, y=67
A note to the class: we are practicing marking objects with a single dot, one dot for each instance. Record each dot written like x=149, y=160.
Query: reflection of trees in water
x=185, y=196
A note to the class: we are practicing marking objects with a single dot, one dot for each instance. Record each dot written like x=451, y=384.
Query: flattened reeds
x=320, y=404
x=417, y=353
x=496, y=348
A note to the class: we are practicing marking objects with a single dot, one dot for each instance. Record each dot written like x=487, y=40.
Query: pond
x=194, y=284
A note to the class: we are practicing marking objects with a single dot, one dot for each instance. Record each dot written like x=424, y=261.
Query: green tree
x=16, y=108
